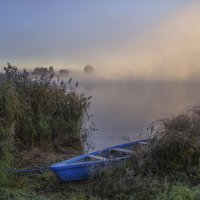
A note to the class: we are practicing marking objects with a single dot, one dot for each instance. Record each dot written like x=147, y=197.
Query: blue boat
x=84, y=166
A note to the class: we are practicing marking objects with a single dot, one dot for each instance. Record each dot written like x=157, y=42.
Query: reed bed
x=38, y=112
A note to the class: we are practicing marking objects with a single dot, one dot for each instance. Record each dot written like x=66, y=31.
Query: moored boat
x=82, y=167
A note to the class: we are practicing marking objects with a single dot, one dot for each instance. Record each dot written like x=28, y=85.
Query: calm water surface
x=124, y=108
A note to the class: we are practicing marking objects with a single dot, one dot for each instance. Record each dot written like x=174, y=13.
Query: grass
x=182, y=192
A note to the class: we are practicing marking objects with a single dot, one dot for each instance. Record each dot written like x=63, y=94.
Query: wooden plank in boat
x=97, y=157
x=122, y=150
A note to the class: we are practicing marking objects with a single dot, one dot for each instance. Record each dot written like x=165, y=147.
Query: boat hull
x=82, y=171
x=73, y=174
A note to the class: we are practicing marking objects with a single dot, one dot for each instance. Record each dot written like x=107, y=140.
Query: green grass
x=180, y=192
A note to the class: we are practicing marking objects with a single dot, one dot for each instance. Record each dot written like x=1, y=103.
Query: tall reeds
x=10, y=109
x=35, y=112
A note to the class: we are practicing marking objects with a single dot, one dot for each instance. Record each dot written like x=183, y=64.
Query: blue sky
x=74, y=32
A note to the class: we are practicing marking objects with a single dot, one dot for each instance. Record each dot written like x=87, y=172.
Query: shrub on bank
x=171, y=157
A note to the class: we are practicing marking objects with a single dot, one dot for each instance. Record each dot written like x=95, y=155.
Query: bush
x=175, y=147
x=172, y=155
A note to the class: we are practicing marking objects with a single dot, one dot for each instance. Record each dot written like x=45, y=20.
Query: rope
x=38, y=170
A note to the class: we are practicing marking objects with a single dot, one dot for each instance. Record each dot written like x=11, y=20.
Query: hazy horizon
x=146, y=40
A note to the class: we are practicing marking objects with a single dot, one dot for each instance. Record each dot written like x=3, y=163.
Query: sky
x=141, y=39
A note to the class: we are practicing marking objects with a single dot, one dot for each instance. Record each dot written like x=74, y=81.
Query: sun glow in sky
x=148, y=39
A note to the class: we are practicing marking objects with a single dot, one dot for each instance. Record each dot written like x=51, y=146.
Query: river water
x=124, y=108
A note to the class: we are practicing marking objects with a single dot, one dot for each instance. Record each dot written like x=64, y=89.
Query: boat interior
x=112, y=153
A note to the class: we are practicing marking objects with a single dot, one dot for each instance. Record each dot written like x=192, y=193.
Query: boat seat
x=122, y=150
x=142, y=142
x=97, y=157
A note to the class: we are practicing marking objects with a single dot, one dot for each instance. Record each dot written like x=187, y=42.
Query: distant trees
x=51, y=70
x=88, y=69
x=63, y=72
x=40, y=70
x=43, y=70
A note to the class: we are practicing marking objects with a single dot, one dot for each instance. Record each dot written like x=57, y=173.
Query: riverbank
x=42, y=185
x=111, y=184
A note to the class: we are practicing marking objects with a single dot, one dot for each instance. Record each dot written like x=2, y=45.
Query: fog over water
x=146, y=55
x=124, y=108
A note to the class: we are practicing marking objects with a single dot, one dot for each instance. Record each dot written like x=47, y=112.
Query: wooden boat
x=82, y=167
